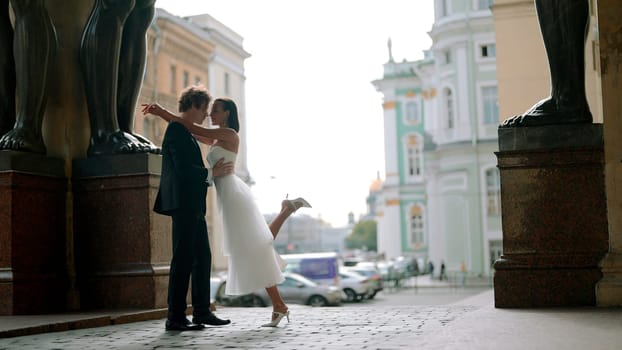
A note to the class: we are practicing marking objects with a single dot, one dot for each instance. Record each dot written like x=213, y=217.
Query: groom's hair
x=194, y=96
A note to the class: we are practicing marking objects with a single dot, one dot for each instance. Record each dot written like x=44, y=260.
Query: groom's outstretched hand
x=222, y=168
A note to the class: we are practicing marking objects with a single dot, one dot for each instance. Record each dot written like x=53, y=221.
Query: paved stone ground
x=471, y=323
x=310, y=328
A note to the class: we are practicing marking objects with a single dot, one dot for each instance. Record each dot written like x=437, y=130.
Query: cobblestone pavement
x=390, y=327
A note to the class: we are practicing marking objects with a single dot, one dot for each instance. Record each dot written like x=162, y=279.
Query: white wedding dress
x=253, y=262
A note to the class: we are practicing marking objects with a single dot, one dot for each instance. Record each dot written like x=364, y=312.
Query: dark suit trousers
x=191, y=255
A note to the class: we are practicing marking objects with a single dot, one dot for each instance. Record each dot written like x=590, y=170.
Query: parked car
x=322, y=268
x=355, y=286
x=387, y=271
x=370, y=271
x=295, y=289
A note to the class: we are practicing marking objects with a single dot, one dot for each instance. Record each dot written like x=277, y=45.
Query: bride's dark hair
x=233, y=121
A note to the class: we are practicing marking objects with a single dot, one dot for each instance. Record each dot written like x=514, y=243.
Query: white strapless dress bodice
x=247, y=240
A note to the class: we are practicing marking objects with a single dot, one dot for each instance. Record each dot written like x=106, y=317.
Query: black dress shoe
x=184, y=325
x=210, y=319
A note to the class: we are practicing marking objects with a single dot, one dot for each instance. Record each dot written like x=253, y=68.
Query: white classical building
x=193, y=50
x=440, y=198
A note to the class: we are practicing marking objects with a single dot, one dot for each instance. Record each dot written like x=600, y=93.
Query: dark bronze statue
x=564, y=27
x=113, y=55
x=7, y=71
x=33, y=44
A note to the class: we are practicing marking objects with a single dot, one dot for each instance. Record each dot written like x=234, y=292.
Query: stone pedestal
x=554, y=216
x=122, y=247
x=32, y=234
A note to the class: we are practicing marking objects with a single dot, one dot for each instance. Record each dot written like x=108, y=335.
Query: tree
x=363, y=236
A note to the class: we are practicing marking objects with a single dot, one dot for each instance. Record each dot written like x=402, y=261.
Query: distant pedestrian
x=443, y=272
x=431, y=269
x=463, y=272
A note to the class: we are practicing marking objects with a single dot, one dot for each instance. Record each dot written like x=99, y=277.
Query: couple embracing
x=248, y=240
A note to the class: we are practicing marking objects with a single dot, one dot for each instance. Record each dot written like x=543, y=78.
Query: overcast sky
x=315, y=122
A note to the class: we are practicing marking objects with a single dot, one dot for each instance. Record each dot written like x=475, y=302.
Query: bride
x=253, y=262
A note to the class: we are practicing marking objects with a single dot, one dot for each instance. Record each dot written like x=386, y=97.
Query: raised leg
x=132, y=68
x=279, y=220
x=7, y=70
x=564, y=26
x=34, y=47
x=99, y=57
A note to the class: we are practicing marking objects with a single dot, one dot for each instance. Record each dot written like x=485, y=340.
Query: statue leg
x=7, y=71
x=132, y=68
x=564, y=25
x=99, y=57
x=34, y=48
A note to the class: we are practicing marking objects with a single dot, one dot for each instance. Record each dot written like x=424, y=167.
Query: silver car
x=295, y=289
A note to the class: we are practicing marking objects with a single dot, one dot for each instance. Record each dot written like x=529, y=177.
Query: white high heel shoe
x=277, y=320
x=297, y=203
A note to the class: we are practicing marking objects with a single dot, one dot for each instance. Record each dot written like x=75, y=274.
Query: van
x=322, y=268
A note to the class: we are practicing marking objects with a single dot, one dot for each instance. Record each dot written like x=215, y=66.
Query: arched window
x=416, y=227
x=493, y=192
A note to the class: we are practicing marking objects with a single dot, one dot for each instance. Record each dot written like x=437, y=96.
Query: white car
x=355, y=286
x=372, y=274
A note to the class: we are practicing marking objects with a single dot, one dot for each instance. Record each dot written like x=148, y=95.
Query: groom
x=182, y=193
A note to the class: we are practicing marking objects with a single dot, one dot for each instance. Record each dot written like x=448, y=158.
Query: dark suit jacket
x=183, y=183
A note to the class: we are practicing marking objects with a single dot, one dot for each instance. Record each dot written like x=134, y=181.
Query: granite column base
x=33, y=277
x=554, y=216
x=122, y=248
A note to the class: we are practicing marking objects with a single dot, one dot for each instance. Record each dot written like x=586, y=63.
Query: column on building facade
x=609, y=289
x=389, y=231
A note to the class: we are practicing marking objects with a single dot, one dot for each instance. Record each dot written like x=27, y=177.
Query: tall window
x=146, y=73
x=488, y=50
x=197, y=80
x=414, y=152
x=227, y=85
x=186, y=79
x=493, y=192
x=444, y=9
x=146, y=128
x=173, y=82
x=416, y=227
x=484, y=4
x=491, y=107
x=412, y=112
x=447, y=56
x=449, y=106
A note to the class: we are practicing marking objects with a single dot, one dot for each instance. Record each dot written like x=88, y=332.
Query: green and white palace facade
x=440, y=199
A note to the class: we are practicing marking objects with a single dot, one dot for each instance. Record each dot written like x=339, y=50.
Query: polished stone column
x=33, y=278
x=609, y=289
x=554, y=215
x=122, y=247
